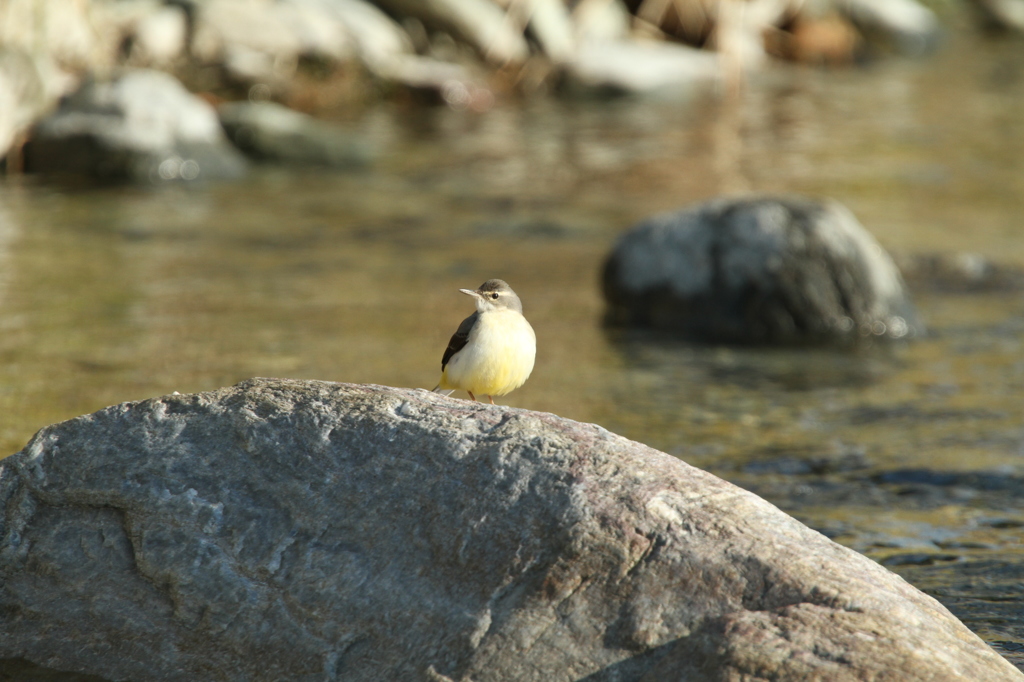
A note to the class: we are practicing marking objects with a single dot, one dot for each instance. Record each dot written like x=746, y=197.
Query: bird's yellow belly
x=497, y=359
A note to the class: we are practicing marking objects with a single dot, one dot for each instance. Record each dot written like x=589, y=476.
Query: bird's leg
x=471, y=395
x=491, y=398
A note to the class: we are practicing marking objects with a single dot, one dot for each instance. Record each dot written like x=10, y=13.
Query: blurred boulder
x=273, y=132
x=262, y=40
x=601, y=20
x=142, y=126
x=638, y=67
x=161, y=36
x=61, y=30
x=551, y=24
x=480, y=23
x=23, y=96
x=963, y=273
x=907, y=24
x=300, y=530
x=1003, y=13
x=743, y=29
x=376, y=38
x=758, y=270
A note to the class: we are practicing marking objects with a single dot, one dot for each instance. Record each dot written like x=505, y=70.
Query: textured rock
x=314, y=531
x=143, y=125
x=758, y=270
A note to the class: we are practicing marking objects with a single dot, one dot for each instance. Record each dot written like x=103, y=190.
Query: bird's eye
x=494, y=295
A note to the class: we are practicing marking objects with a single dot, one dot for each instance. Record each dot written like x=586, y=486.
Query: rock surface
x=758, y=270
x=315, y=531
x=143, y=125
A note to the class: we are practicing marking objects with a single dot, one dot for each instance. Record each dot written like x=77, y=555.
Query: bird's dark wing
x=459, y=339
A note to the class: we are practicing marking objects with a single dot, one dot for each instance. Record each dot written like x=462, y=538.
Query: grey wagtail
x=492, y=351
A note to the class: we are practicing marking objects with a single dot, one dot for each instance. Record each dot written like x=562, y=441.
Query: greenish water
x=913, y=454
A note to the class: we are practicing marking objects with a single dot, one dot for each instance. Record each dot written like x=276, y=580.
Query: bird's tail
x=443, y=391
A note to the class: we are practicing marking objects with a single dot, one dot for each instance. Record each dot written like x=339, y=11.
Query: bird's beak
x=470, y=292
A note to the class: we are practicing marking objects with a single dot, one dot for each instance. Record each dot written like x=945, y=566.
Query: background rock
x=22, y=96
x=758, y=270
x=143, y=125
x=274, y=132
x=626, y=66
x=910, y=26
x=312, y=531
x=480, y=23
x=1004, y=13
x=263, y=41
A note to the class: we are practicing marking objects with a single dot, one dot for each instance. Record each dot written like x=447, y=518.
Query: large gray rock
x=758, y=270
x=143, y=125
x=290, y=530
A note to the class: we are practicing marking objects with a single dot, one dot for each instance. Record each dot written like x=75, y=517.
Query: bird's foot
x=472, y=397
x=491, y=398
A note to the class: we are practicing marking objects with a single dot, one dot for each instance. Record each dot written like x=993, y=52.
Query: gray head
x=495, y=294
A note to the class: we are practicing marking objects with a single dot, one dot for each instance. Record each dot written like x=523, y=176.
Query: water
x=912, y=454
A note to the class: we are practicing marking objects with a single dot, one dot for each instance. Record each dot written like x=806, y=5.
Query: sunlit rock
x=160, y=37
x=142, y=126
x=61, y=30
x=480, y=23
x=1004, y=13
x=631, y=66
x=296, y=530
x=550, y=22
x=22, y=96
x=909, y=26
x=758, y=270
x=260, y=41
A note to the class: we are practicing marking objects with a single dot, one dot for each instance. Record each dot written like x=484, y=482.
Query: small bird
x=493, y=350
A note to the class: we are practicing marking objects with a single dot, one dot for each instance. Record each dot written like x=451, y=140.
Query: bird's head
x=494, y=294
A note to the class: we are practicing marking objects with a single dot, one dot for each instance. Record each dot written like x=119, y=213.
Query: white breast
x=498, y=356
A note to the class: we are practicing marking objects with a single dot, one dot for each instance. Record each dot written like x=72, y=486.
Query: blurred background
x=519, y=141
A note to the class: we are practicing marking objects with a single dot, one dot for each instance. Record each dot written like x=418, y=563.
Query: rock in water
x=141, y=126
x=297, y=530
x=267, y=130
x=758, y=270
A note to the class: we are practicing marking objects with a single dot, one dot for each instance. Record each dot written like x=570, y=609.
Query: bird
x=493, y=350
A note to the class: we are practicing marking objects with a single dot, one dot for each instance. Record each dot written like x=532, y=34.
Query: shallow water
x=912, y=454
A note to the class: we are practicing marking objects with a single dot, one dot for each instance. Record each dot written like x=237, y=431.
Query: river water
x=912, y=453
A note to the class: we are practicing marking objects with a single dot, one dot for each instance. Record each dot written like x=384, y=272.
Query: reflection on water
x=117, y=294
